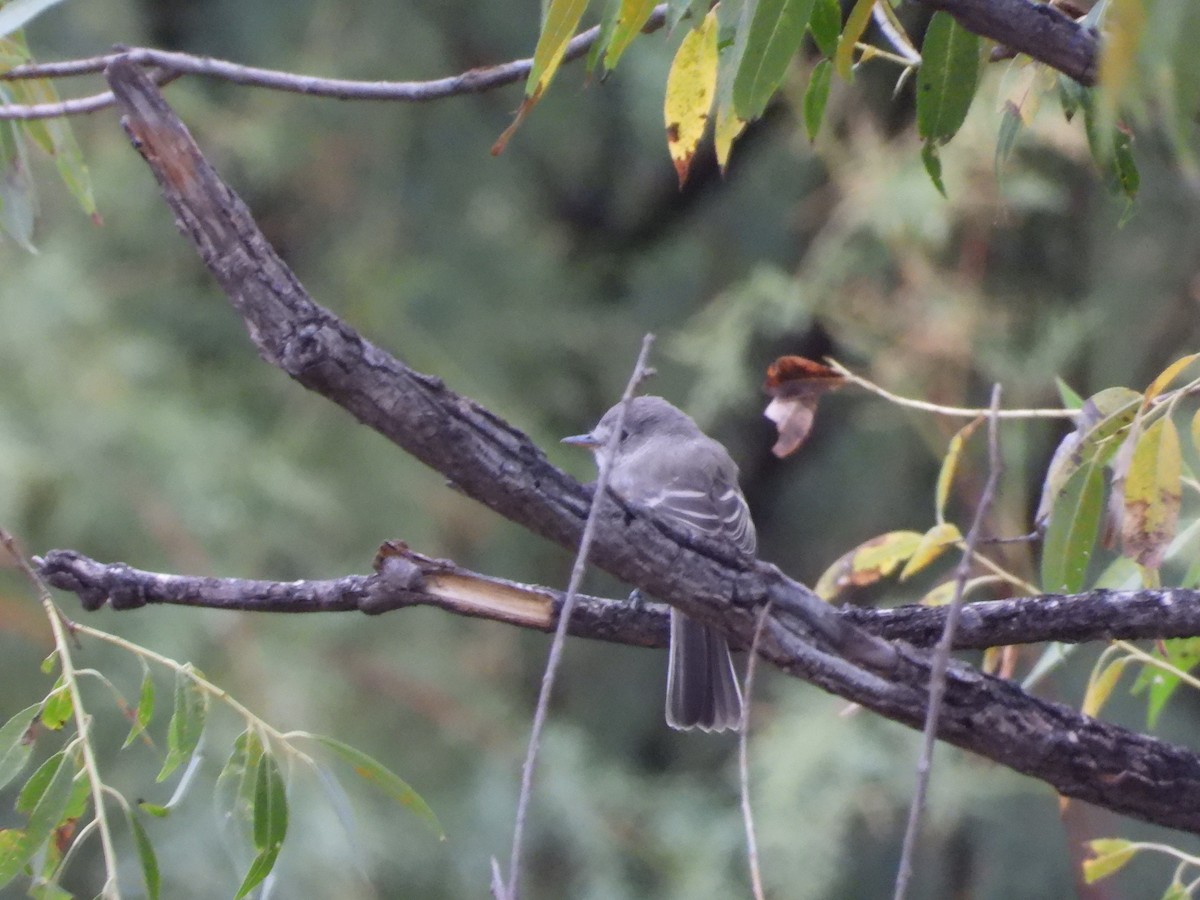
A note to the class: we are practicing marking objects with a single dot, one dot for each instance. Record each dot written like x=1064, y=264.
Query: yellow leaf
x=630, y=18
x=856, y=24
x=933, y=543
x=729, y=126
x=1111, y=855
x=1100, y=687
x=950, y=466
x=868, y=562
x=1159, y=384
x=1152, y=491
x=691, y=86
x=562, y=18
x=1124, y=22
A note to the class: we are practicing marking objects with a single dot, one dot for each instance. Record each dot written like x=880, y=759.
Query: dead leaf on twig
x=795, y=385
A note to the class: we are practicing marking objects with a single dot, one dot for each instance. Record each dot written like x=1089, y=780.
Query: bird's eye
x=624, y=435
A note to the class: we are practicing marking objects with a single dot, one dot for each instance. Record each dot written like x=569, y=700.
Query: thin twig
x=172, y=65
x=956, y=411
x=560, y=634
x=756, y=884
x=941, y=654
x=82, y=719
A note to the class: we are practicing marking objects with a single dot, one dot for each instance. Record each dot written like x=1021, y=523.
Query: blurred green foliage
x=136, y=423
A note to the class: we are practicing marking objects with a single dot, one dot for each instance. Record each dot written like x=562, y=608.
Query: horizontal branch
x=405, y=578
x=497, y=465
x=174, y=65
x=1037, y=29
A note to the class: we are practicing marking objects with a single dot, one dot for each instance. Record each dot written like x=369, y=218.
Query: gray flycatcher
x=665, y=462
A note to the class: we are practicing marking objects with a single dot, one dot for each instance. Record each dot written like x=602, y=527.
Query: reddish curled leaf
x=795, y=385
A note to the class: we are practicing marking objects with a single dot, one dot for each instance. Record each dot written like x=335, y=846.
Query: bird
x=664, y=462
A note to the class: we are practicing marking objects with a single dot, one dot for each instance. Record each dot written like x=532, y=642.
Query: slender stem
x=560, y=634
x=956, y=411
x=756, y=883
x=82, y=720
x=1149, y=659
x=941, y=654
x=200, y=681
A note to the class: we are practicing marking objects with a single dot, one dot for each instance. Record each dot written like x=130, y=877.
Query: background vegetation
x=136, y=423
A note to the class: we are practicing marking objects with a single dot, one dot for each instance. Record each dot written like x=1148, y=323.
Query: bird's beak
x=582, y=440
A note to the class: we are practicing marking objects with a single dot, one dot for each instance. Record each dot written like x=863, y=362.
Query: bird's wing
x=713, y=506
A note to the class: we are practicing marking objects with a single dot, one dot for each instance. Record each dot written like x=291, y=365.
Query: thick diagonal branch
x=499, y=466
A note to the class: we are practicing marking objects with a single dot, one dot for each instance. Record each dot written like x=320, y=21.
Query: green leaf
x=237, y=784
x=1103, y=417
x=1110, y=855
x=46, y=805
x=145, y=709
x=816, y=97
x=16, y=13
x=1010, y=127
x=146, y=857
x=187, y=723
x=57, y=707
x=676, y=10
x=734, y=16
x=608, y=23
x=562, y=18
x=947, y=79
x=18, y=194
x=56, y=138
x=630, y=19
x=933, y=166
x=153, y=809
x=1070, y=399
x=36, y=786
x=382, y=778
x=1183, y=654
x=856, y=24
x=259, y=869
x=270, y=804
x=825, y=23
x=1072, y=530
x=16, y=743
x=48, y=891
x=776, y=31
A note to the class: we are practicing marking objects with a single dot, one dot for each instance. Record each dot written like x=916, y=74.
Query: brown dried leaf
x=795, y=385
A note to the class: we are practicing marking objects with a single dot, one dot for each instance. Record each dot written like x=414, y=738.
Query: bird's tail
x=702, y=689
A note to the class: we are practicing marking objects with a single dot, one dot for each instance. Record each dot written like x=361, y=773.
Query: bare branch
x=1067, y=618
x=173, y=65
